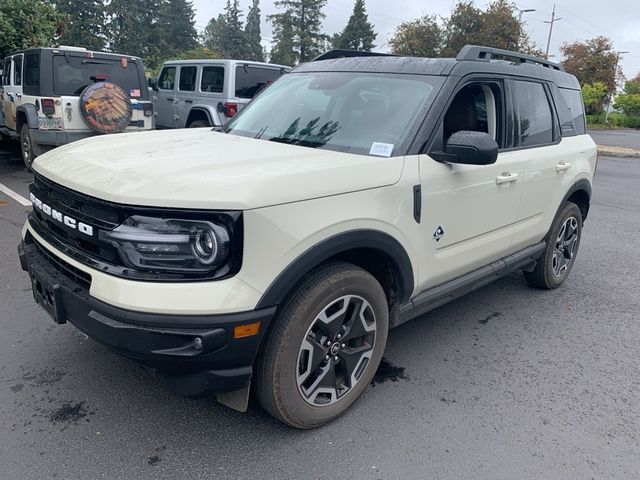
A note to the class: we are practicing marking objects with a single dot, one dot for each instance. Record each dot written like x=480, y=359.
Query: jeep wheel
x=26, y=146
x=555, y=264
x=199, y=124
x=324, y=347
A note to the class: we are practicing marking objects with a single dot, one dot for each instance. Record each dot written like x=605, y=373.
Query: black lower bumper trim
x=196, y=354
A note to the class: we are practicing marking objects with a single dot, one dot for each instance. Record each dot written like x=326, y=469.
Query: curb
x=619, y=152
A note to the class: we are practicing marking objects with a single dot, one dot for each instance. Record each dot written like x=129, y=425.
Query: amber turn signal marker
x=247, y=330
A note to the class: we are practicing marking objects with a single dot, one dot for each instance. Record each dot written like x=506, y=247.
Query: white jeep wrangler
x=53, y=96
x=353, y=195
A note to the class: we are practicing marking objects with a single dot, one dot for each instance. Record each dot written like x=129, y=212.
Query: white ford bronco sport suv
x=53, y=96
x=207, y=93
x=352, y=195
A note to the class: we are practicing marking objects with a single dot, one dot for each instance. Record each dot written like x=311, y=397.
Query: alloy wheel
x=336, y=350
x=565, y=247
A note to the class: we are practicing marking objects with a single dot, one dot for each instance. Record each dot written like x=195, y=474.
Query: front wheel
x=324, y=348
x=26, y=146
x=559, y=256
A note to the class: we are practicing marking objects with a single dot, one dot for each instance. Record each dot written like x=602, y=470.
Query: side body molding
x=341, y=243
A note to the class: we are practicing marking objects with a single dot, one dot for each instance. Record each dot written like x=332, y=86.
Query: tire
x=299, y=338
x=558, y=258
x=199, y=124
x=26, y=146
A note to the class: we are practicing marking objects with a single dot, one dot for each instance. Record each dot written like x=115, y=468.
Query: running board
x=456, y=288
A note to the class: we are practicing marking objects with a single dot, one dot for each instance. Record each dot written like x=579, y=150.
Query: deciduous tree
x=594, y=96
x=418, y=38
x=593, y=61
x=628, y=102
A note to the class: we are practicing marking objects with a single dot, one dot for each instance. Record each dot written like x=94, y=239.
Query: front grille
x=77, y=276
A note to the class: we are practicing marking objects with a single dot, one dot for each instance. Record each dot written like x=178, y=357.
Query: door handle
x=169, y=99
x=188, y=100
x=18, y=95
x=506, y=178
x=563, y=166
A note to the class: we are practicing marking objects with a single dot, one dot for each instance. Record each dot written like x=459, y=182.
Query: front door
x=13, y=91
x=469, y=211
x=166, y=97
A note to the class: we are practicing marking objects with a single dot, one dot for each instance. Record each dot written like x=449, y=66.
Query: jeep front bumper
x=196, y=355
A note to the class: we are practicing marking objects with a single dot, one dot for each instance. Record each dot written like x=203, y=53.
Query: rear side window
x=573, y=98
x=17, y=70
x=534, y=120
x=167, y=78
x=187, y=79
x=6, y=72
x=212, y=80
x=250, y=80
x=32, y=70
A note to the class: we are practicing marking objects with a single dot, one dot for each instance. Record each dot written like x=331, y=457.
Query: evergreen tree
x=358, y=34
x=85, y=25
x=176, y=27
x=133, y=27
x=283, y=51
x=305, y=18
x=226, y=34
x=252, y=33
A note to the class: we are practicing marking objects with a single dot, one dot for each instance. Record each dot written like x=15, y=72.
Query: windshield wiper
x=297, y=141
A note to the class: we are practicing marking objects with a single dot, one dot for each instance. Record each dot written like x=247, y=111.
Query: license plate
x=45, y=123
x=48, y=296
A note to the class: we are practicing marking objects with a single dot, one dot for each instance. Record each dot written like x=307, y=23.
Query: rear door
x=186, y=94
x=164, y=107
x=13, y=91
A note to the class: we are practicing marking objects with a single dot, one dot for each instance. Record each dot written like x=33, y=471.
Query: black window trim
x=556, y=133
x=13, y=70
x=175, y=78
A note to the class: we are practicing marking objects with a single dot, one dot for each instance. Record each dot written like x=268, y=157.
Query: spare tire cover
x=105, y=107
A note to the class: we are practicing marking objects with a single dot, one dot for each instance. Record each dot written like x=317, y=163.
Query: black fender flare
x=198, y=109
x=581, y=185
x=29, y=111
x=337, y=244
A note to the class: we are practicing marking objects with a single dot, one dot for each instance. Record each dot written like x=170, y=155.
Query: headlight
x=170, y=245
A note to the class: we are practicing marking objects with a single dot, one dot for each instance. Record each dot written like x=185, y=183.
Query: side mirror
x=470, y=148
x=153, y=84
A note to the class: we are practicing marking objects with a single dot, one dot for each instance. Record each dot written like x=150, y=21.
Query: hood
x=202, y=169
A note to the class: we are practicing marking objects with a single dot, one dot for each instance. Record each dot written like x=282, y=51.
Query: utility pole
x=615, y=72
x=553, y=20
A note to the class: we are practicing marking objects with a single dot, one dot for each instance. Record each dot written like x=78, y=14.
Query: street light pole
x=553, y=20
x=525, y=10
x=615, y=73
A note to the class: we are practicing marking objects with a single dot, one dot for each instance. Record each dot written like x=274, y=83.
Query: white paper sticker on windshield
x=381, y=149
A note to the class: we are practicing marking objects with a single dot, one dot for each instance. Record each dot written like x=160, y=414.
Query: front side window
x=251, y=80
x=17, y=70
x=534, y=120
x=364, y=113
x=474, y=108
x=187, y=79
x=212, y=80
x=167, y=78
x=72, y=74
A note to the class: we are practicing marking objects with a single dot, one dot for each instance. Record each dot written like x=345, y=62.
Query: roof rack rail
x=479, y=53
x=332, y=54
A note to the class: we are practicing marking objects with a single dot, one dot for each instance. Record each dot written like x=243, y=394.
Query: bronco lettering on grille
x=60, y=217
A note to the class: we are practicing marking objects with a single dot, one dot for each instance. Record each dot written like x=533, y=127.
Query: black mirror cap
x=153, y=83
x=471, y=148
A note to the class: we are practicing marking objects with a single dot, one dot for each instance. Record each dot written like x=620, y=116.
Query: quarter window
x=534, y=120
x=212, y=79
x=167, y=78
x=17, y=70
x=576, y=107
x=187, y=79
x=251, y=80
x=6, y=72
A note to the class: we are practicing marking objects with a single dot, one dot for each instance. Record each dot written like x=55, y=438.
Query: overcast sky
x=580, y=19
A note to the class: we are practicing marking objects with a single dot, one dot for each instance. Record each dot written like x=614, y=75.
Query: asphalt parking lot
x=509, y=383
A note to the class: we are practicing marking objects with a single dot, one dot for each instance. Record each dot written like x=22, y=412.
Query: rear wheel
x=558, y=258
x=199, y=124
x=26, y=146
x=324, y=347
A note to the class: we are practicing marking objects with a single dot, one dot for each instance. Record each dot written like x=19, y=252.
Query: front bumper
x=196, y=355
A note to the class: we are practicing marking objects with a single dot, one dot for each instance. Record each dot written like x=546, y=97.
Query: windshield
x=364, y=113
x=71, y=75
